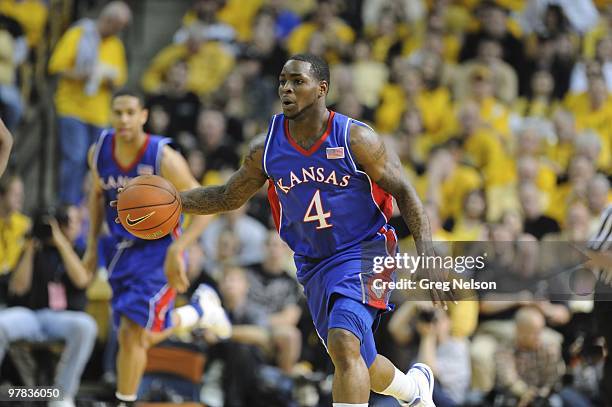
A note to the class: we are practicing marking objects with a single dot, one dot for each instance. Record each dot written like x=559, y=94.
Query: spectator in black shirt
x=49, y=284
x=535, y=222
x=219, y=149
x=494, y=26
x=277, y=294
x=180, y=105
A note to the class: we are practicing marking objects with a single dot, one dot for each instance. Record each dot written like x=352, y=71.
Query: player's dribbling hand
x=174, y=267
x=439, y=297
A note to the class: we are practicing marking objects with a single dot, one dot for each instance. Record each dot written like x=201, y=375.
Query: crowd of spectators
x=500, y=111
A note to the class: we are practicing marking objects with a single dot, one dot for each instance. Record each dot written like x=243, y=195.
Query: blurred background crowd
x=501, y=111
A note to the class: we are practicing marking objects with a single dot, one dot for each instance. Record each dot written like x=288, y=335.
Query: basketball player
x=330, y=182
x=6, y=143
x=142, y=298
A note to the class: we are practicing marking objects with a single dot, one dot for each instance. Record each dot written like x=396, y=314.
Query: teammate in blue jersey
x=142, y=299
x=331, y=182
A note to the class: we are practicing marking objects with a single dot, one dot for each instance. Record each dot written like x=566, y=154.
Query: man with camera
x=429, y=331
x=48, y=291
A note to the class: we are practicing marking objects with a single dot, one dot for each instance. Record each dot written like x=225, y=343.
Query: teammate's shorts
x=140, y=288
x=349, y=274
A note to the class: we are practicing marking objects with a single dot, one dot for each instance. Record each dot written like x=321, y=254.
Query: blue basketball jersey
x=322, y=201
x=113, y=175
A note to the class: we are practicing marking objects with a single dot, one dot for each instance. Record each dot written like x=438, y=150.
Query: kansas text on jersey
x=322, y=202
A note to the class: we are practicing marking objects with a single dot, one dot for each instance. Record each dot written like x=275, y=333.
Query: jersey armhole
x=98, y=148
x=158, y=155
x=267, y=142
x=347, y=141
x=347, y=144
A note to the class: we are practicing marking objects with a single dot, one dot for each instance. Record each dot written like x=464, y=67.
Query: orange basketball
x=149, y=207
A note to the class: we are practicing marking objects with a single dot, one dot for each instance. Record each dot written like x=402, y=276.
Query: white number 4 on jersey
x=319, y=215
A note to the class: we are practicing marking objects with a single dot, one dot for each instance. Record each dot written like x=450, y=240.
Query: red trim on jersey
x=177, y=231
x=136, y=160
x=160, y=311
x=390, y=240
x=316, y=145
x=379, y=298
x=274, y=204
x=383, y=199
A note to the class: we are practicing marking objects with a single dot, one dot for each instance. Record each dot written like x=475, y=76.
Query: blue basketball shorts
x=357, y=318
x=341, y=293
x=140, y=288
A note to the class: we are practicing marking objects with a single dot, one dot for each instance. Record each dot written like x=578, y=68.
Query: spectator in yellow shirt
x=90, y=60
x=581, y=170
x=240, y=14
x=449, y=180
x=560, y=152
x=208, y=64
x=385, y=35
x=483, y=147
x=31, y=14
x=471, y=225
x=412, y=142
x=531, y=162
x=539, y=102
x=406, y=90
x=593, y=110
x=338, y=35
x=489, y=55
x=13, y=224
x=531, y=170
x=588, y=144
x=603, y=28
x=370, y=75
x=494, y=113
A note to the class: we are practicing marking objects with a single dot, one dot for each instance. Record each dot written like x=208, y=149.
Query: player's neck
x=311, y=125
x=128, y=149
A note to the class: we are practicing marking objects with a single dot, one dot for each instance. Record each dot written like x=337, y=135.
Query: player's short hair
x=318, y=66
x=130, y=92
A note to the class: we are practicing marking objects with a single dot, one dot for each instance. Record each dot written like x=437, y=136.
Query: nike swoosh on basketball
x=134, y=222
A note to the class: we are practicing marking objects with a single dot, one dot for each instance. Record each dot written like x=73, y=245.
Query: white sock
x=125, y=397
x=349, y=405
x=188, y=316
x=402, y=387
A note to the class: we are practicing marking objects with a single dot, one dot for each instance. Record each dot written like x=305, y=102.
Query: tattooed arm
x=238, y=189
x=383, y=166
